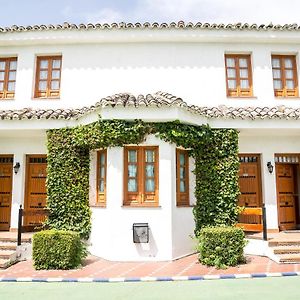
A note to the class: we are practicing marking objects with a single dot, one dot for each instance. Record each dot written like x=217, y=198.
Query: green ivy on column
x=216, y=165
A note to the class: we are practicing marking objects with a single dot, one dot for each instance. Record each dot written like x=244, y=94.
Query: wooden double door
x=35, y=191
x=6, y=174
x=287, y=196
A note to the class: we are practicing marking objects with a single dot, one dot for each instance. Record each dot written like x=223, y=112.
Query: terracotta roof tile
x=158, y=99
x=155, y=25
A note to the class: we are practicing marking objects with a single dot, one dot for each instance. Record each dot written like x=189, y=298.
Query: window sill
x=48, y=98
x=141, y=206
x=241, y=97
x=287, y=98
x=7, y=99
x=98, y=205
x=185, y=206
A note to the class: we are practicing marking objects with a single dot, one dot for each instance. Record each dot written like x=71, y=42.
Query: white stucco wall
x=170, y=227
x=183, y=224
x=190, y=68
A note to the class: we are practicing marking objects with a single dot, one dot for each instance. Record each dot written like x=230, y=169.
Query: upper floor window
x=141, y=176
x=48, y=73
x=285, y=80
x=238, y=75
x=182, y=178
x=101, y=177
x=8, y=70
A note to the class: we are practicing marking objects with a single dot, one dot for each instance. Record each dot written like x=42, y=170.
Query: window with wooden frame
x=238, y=75
x=141, y=176
x=8, y=71
x=182, y=178
x=285, y=81
x=101, y=177
x=48, y=73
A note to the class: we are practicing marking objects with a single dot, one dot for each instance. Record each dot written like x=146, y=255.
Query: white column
x=269, y=190
x=17, y=189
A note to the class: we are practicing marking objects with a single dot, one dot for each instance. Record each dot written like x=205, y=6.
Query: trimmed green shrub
x=57, y=249
x=221, y=246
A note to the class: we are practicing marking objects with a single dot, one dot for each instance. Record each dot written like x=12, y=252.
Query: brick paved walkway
x=188, y=266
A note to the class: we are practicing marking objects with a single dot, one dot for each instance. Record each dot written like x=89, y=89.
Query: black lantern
x=140, y=232
x=17, y=167
x=270, y=167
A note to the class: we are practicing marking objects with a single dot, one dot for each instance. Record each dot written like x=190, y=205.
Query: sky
x=30, y=12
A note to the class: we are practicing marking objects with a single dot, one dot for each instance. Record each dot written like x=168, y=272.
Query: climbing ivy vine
x=216, y=165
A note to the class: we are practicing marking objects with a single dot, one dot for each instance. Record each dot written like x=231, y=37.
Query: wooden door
x=249, y=180
x=35, y=194
x=250, y=186
x=286, y=196
x=6, y=167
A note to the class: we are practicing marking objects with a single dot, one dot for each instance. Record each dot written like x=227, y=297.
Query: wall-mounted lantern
x=140, y=232
x=17, y=167
x=270, y=167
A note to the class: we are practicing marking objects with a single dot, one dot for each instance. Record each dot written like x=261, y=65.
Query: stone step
x=289, y=258
x=286, y=249
x=4, y=263
x=284, y=242
x=7, y=254
x=8, y=246
x=14, y=239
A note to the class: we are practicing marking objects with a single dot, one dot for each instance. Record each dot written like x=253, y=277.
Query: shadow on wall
x=147, y=249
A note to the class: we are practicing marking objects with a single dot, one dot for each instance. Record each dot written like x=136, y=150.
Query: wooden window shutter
x=131, y=176
x=150, y=175
x=48, y=75
x=8, y=71
x=285, y=80
x=101, y=177
x=141, y=175
x=238, y=75
x=182, y=178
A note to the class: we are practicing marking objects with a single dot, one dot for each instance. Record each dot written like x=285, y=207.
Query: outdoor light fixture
x=270, y=167
x=17, y=167
x=140, y=232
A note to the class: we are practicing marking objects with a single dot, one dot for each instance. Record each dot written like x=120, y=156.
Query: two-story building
x=228, y=76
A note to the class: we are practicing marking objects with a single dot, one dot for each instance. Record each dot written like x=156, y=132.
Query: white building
x=233, y=76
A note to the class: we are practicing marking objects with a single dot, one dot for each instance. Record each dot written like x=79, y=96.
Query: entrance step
x=14, y=239
x=4, y=263
x=286, y=250
x=284, y=242
x=8, y=254
x=289, y=258
x=8, y=245
x=8, y=250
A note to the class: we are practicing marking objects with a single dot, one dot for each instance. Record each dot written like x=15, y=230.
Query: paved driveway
x=188, y=266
